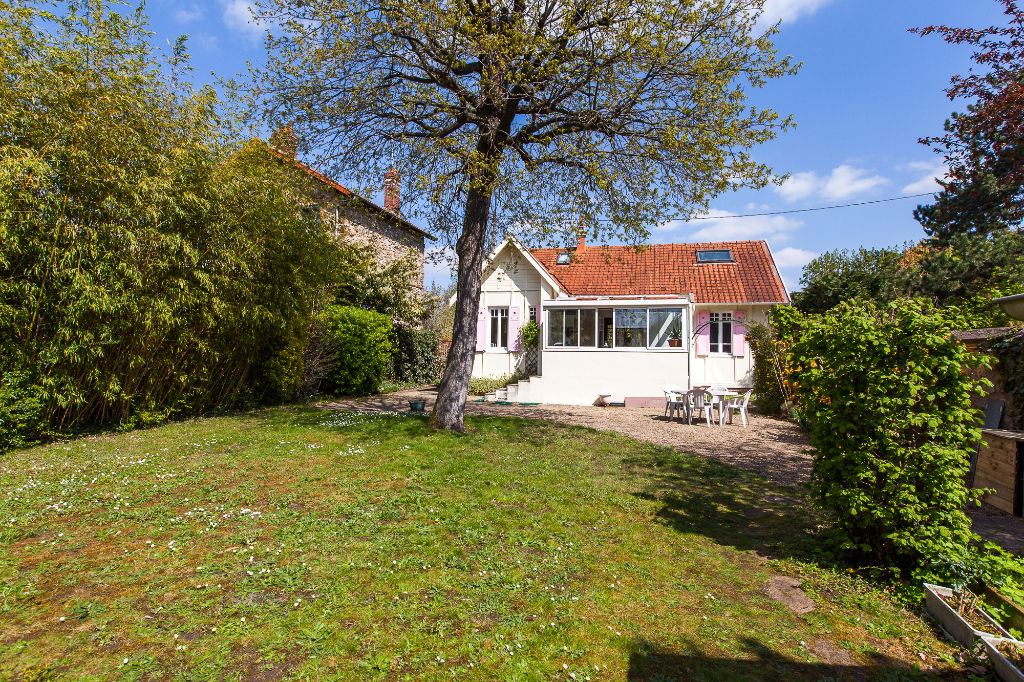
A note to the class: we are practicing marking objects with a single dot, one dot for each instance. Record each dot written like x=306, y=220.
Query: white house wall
x=580, y=376
x=725, y=369
x=509, y=281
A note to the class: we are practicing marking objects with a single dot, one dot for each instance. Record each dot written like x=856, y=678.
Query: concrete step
x=512, y=393
x=490, y=397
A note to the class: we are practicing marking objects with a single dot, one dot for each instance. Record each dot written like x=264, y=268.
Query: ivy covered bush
x=887, y=405
x=361, y=340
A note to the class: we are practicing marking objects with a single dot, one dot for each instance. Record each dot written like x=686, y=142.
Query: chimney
x=392, y=194
x=285, y=141
x=581, y=234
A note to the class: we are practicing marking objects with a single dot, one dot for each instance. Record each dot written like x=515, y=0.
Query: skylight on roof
x=714, y=256
x=563, y=259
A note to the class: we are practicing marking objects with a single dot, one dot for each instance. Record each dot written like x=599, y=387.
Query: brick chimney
x=285, y=141
x=392, y=192
x=581, y=235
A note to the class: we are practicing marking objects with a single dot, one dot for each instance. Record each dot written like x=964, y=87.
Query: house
x=355, y=218
x=619, y=322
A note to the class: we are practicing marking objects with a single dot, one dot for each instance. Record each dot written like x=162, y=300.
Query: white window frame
x=684, y=312
x=718, y=320
x=499, y=313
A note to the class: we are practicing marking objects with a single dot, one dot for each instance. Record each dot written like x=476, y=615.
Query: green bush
x=415, y=360
x=485, y=385
x=529, y=335
x=887, y=404
x=22, y=403
x=150, y=261
x=362, y=343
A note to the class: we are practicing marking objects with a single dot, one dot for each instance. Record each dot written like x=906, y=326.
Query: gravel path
x=775, y=448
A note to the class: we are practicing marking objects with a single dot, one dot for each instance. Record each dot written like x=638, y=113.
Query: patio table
x=721, y=397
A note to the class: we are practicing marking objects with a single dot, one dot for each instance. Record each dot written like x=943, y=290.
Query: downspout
x=691, y=347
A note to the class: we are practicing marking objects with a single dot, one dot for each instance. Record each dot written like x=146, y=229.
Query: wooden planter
x=952, y=623
x=1005, y=670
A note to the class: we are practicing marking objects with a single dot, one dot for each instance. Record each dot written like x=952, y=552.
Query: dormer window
x=563, y=259
x=714, y=256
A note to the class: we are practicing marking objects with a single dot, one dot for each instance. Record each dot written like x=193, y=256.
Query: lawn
x=336, y=545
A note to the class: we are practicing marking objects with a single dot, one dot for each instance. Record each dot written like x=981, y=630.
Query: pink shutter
x=703, y=333
x=739, y=334
x=481, y=329
x=513, y=328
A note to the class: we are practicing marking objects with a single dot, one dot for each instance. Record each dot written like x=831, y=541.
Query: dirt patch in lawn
x=773, y=448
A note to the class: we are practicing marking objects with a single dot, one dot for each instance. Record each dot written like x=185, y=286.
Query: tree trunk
x=449, y=410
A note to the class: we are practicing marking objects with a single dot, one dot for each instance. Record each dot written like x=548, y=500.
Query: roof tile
x=670, y=269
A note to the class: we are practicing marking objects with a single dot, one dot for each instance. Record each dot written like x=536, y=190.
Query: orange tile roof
x=669, y=269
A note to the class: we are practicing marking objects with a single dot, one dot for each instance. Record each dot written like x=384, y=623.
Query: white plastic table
x=721, y=397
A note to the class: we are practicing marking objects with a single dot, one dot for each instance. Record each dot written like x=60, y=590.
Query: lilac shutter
x=739, y=334
x=703, y=333
x=481, y=329
x=513, y=328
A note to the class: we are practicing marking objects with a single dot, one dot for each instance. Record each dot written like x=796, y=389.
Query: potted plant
x=960, y=615
x=674, y=339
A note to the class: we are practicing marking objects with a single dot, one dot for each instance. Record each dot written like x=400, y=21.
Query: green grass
x=299, y=543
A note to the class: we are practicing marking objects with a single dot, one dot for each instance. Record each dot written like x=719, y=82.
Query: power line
x=805, y=210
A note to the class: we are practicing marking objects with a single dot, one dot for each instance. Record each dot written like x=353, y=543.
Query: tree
x=526, y=115
x=841, y=275
x=984, y=147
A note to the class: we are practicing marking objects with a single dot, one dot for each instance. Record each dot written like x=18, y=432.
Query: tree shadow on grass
x=652, y=663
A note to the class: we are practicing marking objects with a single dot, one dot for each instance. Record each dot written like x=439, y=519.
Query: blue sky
x=867, y=91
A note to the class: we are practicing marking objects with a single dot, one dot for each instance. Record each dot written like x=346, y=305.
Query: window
x=721, y=332
x=533, y=313
x=665, y=327
x=499, y=327
x=588, y=327
x=714, y=256
x=630, y=327
x=562, y=327
x=563, y=259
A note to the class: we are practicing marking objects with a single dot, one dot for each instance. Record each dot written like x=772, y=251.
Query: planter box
x=952, y=622
x=1005, y=670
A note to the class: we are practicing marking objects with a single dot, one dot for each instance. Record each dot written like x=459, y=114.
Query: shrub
x=362, y=343
x=529, y=335
x=888, y=409
x=415, y=360
x=22, y=402
x=485, y=385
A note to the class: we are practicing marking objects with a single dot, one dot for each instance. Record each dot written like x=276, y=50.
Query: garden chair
x=738, y=404
x=675, y=402
x=698, y=400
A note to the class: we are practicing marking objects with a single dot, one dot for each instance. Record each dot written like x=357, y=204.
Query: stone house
x=359, y=220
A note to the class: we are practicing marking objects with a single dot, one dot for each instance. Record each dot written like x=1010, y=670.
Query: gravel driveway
x=775, y=448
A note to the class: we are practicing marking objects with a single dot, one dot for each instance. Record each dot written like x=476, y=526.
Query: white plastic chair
x=674, y=399
x=699, y=400
x=739, y=403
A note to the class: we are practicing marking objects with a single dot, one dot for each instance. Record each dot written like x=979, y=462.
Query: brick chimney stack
x=581, y=234
x=392, y=192
x=285, y=141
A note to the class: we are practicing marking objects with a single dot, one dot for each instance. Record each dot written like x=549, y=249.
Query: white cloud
x=789, y=10
x=799, y=186
x=238, y=18
x=843, y=182
x=792, y=257
x=926, y=183
x=187, y=15
x=727, y=226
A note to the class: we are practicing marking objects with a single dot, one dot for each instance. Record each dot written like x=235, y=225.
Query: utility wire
x=803, y=210
x=819, y=208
